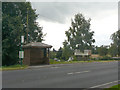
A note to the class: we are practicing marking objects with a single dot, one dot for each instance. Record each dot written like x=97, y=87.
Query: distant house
x=95, y=56
x=36, y=53
x=82, y=55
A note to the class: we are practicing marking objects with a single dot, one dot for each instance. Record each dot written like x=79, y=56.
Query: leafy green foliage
x=102, y=50
x=116, y=41
x=113, y=50
x=14, y=24
x=78, y=34
x=53, y=54
x=59, y=53
x=67, y=51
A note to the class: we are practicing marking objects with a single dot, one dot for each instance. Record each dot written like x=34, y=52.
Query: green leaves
x=115, y=46
x=14, y=25
x=79, y=33
x=102, y=50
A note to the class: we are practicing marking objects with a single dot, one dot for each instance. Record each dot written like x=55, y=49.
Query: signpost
x=21, y=52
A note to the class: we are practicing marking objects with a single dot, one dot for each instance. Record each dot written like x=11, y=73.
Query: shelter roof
x=37, y=45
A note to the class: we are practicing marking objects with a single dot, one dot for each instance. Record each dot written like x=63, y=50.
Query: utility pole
x=27, y=25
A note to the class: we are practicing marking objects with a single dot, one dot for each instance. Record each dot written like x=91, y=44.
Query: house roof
x=37, y=45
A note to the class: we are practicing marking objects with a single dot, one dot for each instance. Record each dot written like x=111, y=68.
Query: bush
x=106, y=58
x=74, y=58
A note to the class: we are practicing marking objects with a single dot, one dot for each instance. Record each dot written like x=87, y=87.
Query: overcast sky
x=55, y=18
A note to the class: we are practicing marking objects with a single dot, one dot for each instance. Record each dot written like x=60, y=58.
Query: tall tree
x=67, y=51
x=95, y=49
x=113, y=50
x=14, y=24
x=79, y=35
x=102, y=50
x=59, y=53
x=53, y=54
x=115, y=37
x=0, y=33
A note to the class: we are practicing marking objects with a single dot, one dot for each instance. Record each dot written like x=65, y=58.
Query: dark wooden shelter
x=36, y=53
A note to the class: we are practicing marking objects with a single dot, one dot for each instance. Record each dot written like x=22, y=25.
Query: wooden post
x=48, y=52
x=48, y=57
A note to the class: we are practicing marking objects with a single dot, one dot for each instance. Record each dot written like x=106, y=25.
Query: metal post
x=22, y=41
x=48, y=56
x=21, y=50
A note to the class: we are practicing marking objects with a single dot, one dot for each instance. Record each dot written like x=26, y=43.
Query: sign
x=21, y=54
x=22, y=39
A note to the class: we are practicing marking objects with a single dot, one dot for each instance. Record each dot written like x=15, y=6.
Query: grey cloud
x=55, y=12
x=58, y=12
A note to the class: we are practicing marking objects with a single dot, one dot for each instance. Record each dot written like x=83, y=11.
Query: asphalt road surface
x=82, y=75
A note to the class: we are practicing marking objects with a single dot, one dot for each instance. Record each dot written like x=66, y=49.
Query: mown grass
x=20, y=67
x=13, y=67
x=70, y=62
x=115, y=87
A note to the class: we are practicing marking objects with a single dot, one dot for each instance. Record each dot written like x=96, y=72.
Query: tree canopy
x=102, y=50
x=79, y=35
x=14, y=24
x=115, y=46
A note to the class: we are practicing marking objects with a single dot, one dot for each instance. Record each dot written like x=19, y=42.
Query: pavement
x=81, y=75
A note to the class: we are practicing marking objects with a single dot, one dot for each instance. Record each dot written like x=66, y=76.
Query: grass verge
x=19, y=67
x=70, y=62
x=13, y=67
x=115, y=87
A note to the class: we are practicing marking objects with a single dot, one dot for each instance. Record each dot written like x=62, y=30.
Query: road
x=82, y=75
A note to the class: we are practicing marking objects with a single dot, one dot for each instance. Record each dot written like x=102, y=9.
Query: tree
x=14, y=24
x=102, y=50
x=53, y=54
x=79, y=33
x=95, y=49
x=0, y=33
x=115, y=37
x=67, y=51
x=59, y=53
x=113, y=51
x=78, y=36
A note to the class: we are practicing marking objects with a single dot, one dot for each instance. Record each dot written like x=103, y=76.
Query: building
x=82, y=56
x=36, y=53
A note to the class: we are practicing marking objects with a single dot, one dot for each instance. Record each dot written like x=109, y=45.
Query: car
x=70, y=59
x=56, y=59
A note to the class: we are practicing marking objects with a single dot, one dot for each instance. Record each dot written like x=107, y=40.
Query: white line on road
x=77, y=72
x=104, y=84
x=70, y=73
x=55, y=67
x=82, y=72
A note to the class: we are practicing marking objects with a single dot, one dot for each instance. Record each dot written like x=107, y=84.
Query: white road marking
x=69, y=73
x=55, y=67
x=86, y=71
x=82, y=72
x=77, y=72
x=104, y=84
